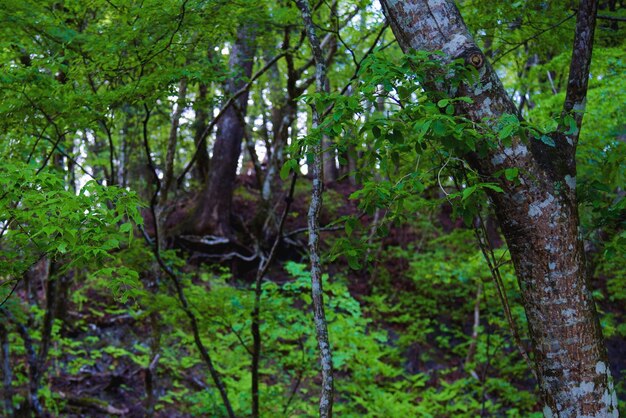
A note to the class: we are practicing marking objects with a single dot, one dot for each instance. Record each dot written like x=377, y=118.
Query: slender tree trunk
x=538, y=214
x=122, y=169
x=214, y=211
x=150, y=374
x=283, y=116
x=321, y=326
x=52, y=296
x=168, y=174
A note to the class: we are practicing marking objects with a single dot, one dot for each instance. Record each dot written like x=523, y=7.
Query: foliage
x=87, y=93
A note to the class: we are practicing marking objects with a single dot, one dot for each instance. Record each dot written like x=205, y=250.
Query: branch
x=73, y=160
x=179, y=25
x=578, y=81
x=612, y=18
x=321, y=229
x=358, y=66
x=535, y=36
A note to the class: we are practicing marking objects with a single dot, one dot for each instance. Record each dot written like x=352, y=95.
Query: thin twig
x=535, y=36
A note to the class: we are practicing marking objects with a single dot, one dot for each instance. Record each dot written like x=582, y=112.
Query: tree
x=214, y=209
x=315, y=207
x=538, y=214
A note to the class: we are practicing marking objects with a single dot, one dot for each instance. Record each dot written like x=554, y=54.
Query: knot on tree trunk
x=474, y=57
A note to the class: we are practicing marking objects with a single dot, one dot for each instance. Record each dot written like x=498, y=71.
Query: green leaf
x=571, y=122
x=439, y=128
x=349, y=226
x=285, y=170
x=418, y=186
x=395, y=158
x=551, y=126
x=506, y=131
x=467, y=192
x=395, y=137
x=110, y=244
x=353, y=262
x=443, y=103
x=511, y=173
x=422, y=127
x=548, y=141
x=493, y=187
x=403, y=92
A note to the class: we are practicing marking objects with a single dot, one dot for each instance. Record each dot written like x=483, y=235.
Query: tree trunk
x=201, y=169
x=538, y=216
x=213, y=213
x=317, y=292
x=162, y=211
x=283, y=114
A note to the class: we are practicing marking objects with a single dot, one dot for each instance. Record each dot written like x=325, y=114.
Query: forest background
x=159, y=165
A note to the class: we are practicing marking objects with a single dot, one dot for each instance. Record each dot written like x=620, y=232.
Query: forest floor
x=112, y=383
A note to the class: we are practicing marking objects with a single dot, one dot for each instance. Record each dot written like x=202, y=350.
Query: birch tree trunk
x=538, y=216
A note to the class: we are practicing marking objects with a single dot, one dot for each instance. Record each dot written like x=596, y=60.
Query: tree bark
x=538, y=214
x=214, y=211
